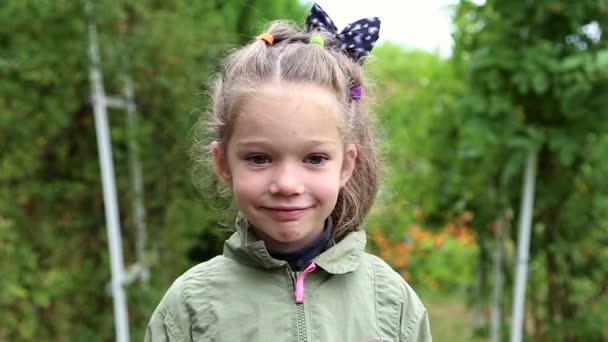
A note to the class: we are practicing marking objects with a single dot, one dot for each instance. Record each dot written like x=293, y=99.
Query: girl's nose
x=286, y=181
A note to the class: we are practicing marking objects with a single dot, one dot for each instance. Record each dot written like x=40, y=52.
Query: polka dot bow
x=356, y=39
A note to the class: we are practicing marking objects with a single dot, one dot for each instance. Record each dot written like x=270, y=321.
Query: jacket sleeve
x=417, y=329
x=156, y=331
x=415, y=326
x=170, y=320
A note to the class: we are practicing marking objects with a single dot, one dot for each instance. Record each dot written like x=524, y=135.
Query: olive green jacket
x=345, y=294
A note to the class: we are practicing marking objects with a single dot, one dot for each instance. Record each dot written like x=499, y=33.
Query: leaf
x=14, y=291
x=602, y=59
x=540, y=82
x=572, y=62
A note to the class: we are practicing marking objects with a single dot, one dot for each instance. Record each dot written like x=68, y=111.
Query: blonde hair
x=291, y=58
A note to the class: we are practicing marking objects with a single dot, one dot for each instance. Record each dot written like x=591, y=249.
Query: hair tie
x=316, y=40
x=356, y=92
x=267, y=37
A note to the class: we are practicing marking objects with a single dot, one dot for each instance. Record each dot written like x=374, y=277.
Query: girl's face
x=286, y=162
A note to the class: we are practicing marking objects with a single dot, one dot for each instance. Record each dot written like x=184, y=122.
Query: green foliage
x=537, y=81
x=53, y=244
x=419, y=93
x=442, y=261
x=524, y=76
x=450, y=266
x=419, y=117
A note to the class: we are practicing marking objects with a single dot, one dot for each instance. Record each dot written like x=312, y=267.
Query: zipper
x=298, y=284
x=301, y=323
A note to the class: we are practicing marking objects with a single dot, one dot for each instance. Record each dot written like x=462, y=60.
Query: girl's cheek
x=328, y=186
x=248, y=184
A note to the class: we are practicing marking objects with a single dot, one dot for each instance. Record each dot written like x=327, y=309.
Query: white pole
x=109, y=188
x=523, y=246
x=136, y=178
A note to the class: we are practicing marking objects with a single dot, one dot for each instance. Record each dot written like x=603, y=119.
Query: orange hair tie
x=267, y=37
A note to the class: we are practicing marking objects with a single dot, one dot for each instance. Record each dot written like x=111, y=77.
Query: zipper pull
x=299, y=292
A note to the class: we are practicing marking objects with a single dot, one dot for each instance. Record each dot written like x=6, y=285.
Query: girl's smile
x=286, y=162
x=287, y=214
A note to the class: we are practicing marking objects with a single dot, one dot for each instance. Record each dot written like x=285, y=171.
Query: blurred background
x=460, y=115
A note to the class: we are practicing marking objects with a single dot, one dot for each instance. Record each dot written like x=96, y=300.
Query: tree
x=537, y=75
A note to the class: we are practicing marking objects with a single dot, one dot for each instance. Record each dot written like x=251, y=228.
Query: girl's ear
x=220, y=163
x=348, y=164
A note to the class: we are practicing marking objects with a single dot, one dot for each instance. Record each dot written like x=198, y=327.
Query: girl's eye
x=258, y=159
x=316, y=159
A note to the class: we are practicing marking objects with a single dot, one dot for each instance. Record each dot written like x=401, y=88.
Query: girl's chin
x=291, y=240
x=283, y=239
x=287, y=236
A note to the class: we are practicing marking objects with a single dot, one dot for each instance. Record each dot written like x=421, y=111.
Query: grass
x=451, y=319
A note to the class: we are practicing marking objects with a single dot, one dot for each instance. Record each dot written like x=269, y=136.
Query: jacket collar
x=244, y=247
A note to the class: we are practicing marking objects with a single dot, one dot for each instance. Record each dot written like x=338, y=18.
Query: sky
x=422, y=24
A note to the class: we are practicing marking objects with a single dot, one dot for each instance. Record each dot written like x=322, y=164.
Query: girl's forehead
x=289, y=111
x=292, y=103
x=286, y=91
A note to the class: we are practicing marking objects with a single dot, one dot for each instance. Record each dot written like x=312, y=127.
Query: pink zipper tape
x=299, y=293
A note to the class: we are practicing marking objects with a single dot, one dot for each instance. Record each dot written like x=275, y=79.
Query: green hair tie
x=316, y=40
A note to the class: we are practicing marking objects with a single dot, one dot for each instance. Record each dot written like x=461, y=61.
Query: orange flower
x=418, y=234
x=400, y=262
x=438, y=241
x=380, y=240
x=449, y=228
x=467, y=216
x=402, y=248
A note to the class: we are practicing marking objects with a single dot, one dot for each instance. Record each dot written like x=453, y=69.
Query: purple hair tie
x=356, y=92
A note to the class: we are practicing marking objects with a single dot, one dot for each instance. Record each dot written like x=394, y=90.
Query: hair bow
x=356, y=39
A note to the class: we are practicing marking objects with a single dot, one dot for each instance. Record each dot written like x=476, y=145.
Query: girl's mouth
x=283, y=213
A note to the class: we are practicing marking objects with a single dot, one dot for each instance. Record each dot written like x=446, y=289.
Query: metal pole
x=109, y=187
x=136, y=178
x=523, y=247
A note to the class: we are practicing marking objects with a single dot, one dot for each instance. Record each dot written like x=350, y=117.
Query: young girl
x=293, y=141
